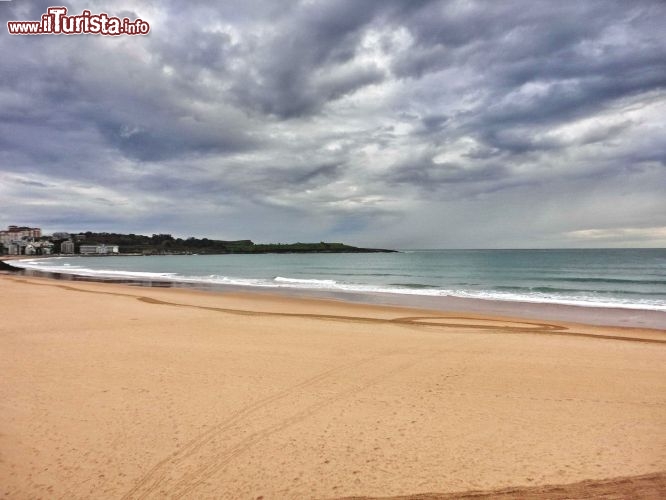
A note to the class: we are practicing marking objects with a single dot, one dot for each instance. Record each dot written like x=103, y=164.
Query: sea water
x=625, y=278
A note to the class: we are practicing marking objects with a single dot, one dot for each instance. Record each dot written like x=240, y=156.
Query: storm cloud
x=387, y=123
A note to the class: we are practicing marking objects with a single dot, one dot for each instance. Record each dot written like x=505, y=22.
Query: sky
x=399, y=124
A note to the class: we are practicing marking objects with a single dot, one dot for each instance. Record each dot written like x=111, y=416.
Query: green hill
x=165, y=244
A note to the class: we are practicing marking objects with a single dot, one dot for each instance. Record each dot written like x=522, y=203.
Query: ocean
x=617, y=278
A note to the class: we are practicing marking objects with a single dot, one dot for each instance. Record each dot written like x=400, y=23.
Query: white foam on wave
x=67, y=268
x=569, y=300
x=334, y=286
x=541, y=298
x=216, y=279
x=302, y=281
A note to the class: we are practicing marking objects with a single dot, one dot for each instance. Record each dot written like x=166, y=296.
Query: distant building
x=16, y=247
x=18, y=233
x=88, y=249
x=45, y=247
x=98, y=249
x=34, y=247
x=67, y=247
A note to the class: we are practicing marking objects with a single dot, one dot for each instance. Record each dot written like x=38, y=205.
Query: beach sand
x=117, y=391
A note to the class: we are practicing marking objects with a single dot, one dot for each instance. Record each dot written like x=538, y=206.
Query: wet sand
x=115, y=391
x=603, y=316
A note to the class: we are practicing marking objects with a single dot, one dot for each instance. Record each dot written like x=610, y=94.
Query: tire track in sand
x=149, y=481
x=218, y=459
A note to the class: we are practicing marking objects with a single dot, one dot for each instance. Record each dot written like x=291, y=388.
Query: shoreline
x=586, y=315
x=116, y=390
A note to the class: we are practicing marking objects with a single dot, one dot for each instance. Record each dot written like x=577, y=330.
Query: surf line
x=537, y=328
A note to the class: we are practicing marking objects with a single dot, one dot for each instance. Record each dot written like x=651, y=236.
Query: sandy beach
x=117, y=391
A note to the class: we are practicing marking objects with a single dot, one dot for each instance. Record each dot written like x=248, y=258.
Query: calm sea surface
x=628, y=278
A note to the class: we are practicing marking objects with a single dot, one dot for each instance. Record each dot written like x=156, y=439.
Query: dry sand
x=114, y=391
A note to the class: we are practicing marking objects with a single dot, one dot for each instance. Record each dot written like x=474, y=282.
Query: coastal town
x=24, y=240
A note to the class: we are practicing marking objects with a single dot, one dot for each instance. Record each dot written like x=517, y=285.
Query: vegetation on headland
x=165, y=244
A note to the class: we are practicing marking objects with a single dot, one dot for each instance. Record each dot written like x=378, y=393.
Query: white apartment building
x=98, y=249
x=67, y=247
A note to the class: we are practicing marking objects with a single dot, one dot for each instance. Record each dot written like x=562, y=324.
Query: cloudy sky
x=405, y=124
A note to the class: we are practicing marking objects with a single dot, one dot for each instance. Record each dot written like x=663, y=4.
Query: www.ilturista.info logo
x=57, y=22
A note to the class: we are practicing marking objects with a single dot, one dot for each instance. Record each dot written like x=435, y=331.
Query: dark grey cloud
x=427, y=173
x=296, y=70
x=533, y=123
